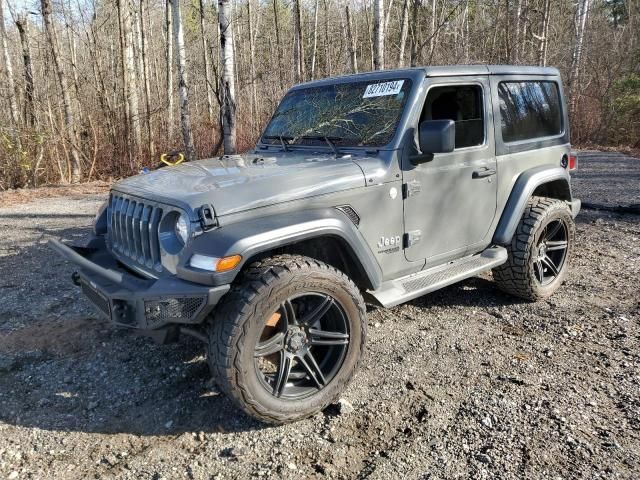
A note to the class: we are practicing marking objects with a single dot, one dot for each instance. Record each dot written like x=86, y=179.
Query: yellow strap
x=163, y=159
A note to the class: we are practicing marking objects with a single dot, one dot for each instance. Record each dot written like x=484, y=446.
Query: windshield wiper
x=282, y=138
x=329, y=140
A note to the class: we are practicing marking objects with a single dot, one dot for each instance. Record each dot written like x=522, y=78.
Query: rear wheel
x=539, y=252
x=287, y=338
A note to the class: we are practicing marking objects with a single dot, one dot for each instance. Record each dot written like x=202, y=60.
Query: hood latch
x=207, y=216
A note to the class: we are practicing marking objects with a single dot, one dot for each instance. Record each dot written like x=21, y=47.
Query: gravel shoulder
x=466, y=382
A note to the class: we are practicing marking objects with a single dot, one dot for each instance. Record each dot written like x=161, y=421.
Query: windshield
x=345, y=114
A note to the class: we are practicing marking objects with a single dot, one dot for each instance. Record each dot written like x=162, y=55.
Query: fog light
x=215, y=264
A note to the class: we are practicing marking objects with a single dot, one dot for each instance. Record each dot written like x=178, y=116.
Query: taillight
x=573, y=161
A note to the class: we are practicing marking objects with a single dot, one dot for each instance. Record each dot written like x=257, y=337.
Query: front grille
x=96, y=298
x=133, y=230
x=172, y=309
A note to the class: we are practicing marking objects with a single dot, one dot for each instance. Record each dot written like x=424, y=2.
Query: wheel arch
x=544, y=181
x=331, y=249
x=326, y=235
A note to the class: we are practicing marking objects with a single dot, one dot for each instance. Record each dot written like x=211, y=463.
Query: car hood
x=234, y=183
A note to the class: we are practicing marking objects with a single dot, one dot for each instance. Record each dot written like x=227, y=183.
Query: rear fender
x=545, y=180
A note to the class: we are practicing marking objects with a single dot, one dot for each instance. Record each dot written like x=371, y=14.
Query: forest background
x=97, y=89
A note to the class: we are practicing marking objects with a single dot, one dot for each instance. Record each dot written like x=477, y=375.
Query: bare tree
x=69, y=121
x=169, y=69
x=298, y=43
x=276, y=24
x=145, y=74
x=252, y=63
x=314, y=50
x=227, y=80
x=352, y=42
x=404, y=28
x=11, y=87
x=378, y=34
x=206, y=63
x=543, y=38
x=130, y=79
x=183, y=90
x=29, y=87
x=580, y=27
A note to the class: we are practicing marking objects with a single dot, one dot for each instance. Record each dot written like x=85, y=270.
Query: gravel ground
x=466, y=382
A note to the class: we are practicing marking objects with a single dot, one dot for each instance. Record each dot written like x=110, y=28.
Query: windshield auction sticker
x=382, y=89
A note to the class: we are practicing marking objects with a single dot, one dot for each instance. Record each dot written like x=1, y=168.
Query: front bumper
x=131, y=301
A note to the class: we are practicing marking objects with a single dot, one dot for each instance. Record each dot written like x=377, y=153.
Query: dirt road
x=466, y=382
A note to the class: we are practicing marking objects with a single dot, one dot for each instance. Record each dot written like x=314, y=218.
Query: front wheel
x=539, y=251
x=287, y=338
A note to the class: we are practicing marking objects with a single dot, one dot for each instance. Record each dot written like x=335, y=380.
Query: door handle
x=487, y=172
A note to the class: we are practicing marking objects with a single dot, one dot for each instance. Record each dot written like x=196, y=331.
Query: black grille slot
x=97, y=299
x=172, y=309
x=351, y=213
x=133, y=230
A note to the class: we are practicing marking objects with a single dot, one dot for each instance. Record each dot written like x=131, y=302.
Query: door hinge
x=411, y=238
x=411, y=188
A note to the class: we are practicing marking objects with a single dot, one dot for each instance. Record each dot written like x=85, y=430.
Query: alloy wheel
x=302, y=346
x=550, y=252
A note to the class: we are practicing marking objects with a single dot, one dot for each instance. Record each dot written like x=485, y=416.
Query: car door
x=450, y=201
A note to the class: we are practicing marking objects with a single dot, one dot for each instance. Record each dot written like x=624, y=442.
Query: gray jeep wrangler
x=372, y=188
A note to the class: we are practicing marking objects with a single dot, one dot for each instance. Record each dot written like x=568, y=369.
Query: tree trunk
x=574, y=78
x=29, y=88
x=507, y=30
x=183, y=89
x=314, y=50
x=404, y=28
x=69, y=121
x=516, y=46
x=327, y=41
x=414, y=30
x=227, y=80
x=544, y=40
x=378, y=34
x=252, y=66
x=278, y=43
x=130, y=80
x=432, y=39
x=11, y=86
x=145, y=73
x=352, y=43
x=207, y=65
x=169, y=67
x=298, y=43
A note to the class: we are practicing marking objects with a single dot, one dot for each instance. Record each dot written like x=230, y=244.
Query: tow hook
x=75, y=278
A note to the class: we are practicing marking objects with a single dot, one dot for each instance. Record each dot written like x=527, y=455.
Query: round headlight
x=182, y=229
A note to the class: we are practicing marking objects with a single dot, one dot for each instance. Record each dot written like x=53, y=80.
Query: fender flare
x=254, y=236
x=521, y=192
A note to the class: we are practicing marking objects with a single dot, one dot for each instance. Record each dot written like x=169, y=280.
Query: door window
x=461, y=103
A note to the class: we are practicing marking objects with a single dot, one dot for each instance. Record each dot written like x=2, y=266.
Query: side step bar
x=400, y=290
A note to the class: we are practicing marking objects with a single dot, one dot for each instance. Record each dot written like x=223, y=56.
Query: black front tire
x=277, y=288
x=539, y=252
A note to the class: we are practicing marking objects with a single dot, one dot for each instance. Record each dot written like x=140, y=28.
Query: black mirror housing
x=437, y=136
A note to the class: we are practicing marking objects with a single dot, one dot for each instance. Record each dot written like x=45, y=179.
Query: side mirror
x=437, y=136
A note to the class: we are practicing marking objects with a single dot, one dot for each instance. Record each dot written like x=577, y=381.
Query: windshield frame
x=410, y=77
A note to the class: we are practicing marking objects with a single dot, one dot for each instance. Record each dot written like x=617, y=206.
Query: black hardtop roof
x=438, y=71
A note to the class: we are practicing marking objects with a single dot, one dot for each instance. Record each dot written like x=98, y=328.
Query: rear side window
x=529, y=110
